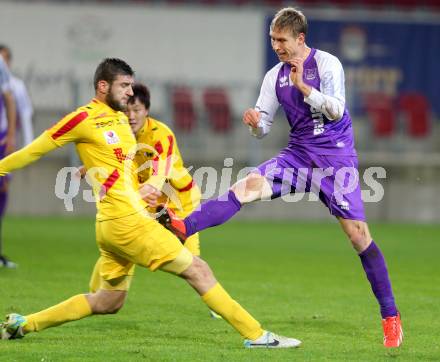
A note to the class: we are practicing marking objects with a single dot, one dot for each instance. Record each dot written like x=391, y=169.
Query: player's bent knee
x=199, y=275
x=198, y=270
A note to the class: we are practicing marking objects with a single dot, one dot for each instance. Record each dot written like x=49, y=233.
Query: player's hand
x=150, y=195
x=296, y=72
x=251, y=117
x=81, y=173
x=10, y=145
x=296, y=75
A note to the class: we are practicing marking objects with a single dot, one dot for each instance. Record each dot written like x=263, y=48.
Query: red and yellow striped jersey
x=158, y=157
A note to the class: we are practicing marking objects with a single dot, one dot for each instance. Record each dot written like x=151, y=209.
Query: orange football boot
x=169, y=219
x=392, y=331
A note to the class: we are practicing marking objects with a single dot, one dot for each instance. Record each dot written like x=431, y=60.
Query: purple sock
x=374, y=265
x=3, y=202
x=211, y=213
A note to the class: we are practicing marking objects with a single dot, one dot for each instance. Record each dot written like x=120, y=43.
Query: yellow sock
x=71, y=309
x=221, y=302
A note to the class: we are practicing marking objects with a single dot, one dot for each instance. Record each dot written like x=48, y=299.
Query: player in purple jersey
x=7, y=141
x=320, y=156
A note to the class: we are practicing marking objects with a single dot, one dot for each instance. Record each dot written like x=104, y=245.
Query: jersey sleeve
x=267, y=104
x=69, y=129
x=331, y=98
x=31, y=153
x=24, y=109
x=165, y=155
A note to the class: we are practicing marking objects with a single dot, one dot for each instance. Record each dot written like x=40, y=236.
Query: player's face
x=137, y=114
x=119, y=92
x=285, y=45
x=6, y=57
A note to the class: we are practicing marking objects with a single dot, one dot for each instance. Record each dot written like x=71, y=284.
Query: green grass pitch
x=298, y=279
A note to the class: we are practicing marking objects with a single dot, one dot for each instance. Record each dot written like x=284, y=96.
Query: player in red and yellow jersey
x=163, y=178
x=125, y=234
x=161, y=171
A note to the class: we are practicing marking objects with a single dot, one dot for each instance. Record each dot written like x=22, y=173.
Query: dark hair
x=8, y=50
x=109, y=68
x=291, y=19
x=142, y=94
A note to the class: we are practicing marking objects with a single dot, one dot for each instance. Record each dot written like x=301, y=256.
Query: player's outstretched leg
x=72, y=309
x=217, y=211
x=16, y=326
x=213, y=212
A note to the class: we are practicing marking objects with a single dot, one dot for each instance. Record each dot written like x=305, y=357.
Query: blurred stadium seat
x=218, y=108
x=416, y=110
x=381, y=112
x=183, y=108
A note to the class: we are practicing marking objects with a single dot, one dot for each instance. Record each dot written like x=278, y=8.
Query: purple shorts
x=335, y=179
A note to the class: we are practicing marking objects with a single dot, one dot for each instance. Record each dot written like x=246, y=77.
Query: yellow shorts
x=193, y=244
x=135, y=239
x=98, y=282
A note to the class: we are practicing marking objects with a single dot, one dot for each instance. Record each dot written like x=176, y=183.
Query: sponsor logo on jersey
x=284, y=81
x=111, y=137
x=344, y=205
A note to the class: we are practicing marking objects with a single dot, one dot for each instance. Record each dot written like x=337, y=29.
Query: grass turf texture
x=300, y=280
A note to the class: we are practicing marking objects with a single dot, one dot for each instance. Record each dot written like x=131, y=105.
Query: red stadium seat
x=381, y=113
x=217, y=106
x=183, y=108
x=433, y=4
x=416, y=110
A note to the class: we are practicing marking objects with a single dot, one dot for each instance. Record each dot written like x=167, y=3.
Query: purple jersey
x=312, y=127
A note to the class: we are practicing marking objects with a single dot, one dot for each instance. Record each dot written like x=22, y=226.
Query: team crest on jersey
x=284, y=81
x=111, y=137
x=310, y=73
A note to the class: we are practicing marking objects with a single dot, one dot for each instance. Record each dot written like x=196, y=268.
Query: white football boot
x=272, y=340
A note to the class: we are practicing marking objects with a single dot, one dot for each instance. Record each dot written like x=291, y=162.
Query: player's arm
x=330, y=100
x=260, y=118
x=31, y=153
x=67, y=130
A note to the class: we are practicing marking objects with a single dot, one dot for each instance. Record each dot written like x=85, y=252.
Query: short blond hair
x=291, y=19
